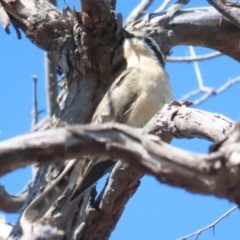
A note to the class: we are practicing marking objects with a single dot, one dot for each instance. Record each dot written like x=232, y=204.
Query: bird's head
x=138, y=48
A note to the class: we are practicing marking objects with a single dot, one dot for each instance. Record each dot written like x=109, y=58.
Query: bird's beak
x=126, y=34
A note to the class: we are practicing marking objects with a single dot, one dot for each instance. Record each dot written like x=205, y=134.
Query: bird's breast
x=153, y=94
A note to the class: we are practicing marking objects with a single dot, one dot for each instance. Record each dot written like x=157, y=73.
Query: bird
x=134, y=97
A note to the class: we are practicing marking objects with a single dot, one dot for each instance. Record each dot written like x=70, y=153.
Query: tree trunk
x=87, y=47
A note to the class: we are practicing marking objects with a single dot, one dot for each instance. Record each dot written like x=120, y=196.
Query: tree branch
x=11, y=203
x=163, y=6
x=209, y=91
x=197, y=58
x=212, y=225
x=61, y=32
x=226, y=11
x=139, y=10
x=215, y=173
x=178, y=121
x=197, y=27
x=57, y=144
x=124, y=179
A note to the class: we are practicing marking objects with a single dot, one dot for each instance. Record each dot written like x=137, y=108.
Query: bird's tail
x=77, y=176
x=35, y=211
x=91, y=173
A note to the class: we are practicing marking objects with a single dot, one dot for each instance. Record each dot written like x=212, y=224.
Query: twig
x=226, y=11
x=43, y=124
x=139, y=10
x=35, y=113
x=212, y=225
x=196, y=67
x=35, y=103
x=169, y=13
x=176, y=7
x=163, y=6
x=196, y=58
x=229, y=83
x=209, y=92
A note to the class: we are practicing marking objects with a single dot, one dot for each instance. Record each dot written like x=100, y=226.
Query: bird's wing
x=118, y=99
x=79, y=176
x=114, y=107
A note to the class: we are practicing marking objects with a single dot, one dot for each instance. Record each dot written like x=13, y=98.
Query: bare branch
x=226, y=85
x=196, y=58
x=176, y=7
x=124, y=179
x=209, y=91
x=11, y=203
x=57, y=144
x=35, y=115
x=51, y=85
x=139, y=10
x=226, y=11
x=178, y=121
x=163, y=6
x=189, y=26
x=196, y=68
x=213, y=173
x=212, y=225
x=169, y=13
x=35, y=111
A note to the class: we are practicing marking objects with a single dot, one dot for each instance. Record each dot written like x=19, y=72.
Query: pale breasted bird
x=134, y=98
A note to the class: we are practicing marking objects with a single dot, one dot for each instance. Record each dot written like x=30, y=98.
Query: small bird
x=134, y=98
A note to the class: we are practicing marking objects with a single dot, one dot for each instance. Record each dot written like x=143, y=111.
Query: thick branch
x=198, y=27
x=178, y=121
x=11, y=203
x=216, y=173
x=61, y=143
x=226, y=11
x=41, y=21
x=212, y=173
x=172, y=121
x=126, y=143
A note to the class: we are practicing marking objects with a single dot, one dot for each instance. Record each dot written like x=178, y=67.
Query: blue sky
x=156, y=211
